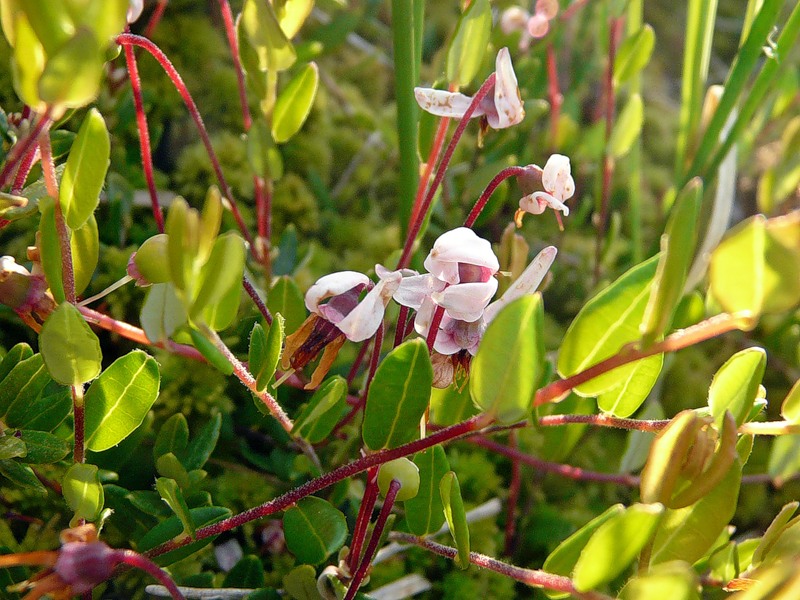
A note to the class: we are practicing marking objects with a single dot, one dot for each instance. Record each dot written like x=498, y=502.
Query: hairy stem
x=363, y=518
x=141, y=562
x=23, y=147
x=79, y=414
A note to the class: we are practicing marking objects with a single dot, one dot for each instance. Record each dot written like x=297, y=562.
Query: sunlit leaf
x=265, y=351
x=291, y=15
x=72, y=74
x=259, y=23
x=171, y=494
x=85, y=246
x=222, y=272
x=735, y=384
x=70, y=349
x=671, y=581
x=790, y=408
x=468, y=48
x=82, y=491
x=627, y=128
x=634, y=54
x=50, y=249
x=294, y=103
x=162, y=312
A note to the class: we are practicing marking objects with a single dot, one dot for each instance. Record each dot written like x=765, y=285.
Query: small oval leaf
x=70, y=349
x=314, y=530
x=466, y=52
x=456, y=516
x=634, y=54
x=735, y=385
x=294, y=103
x=323, y=411
x=627, y=128
x=85, y=246
x=82, y=491
x=265, y=351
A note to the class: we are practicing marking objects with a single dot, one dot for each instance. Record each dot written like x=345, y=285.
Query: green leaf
x=314, y=530
x=209, y=224
x=451, y=405
x=82, y=491
x=72, y=74
x=24, y=383
x=603, y=326
x=21, y=475
x=291, y=15
x=85, y=172
x=318, y=418
x=774, y=531
x=265, y=351
x=615, y=544
x=672, y=581
x=172, y=437
x=688, y=533
x=301, y=583
x=735, y=385
x=625, y=399
x=52, y=23
x=43, y=412
x=203, y=443
x=425, y=512
x=183, y=242
x=456, y=516
x=466, y=52
x=171, y=494
x=634, y=54
x=85, y=247
x=294, y=103
x=222, y=272
x=677, y=249
x=162, y=312
x=172, y=527
x=220, y=315
x=70, y=349
x=42, y=447
x=50, y=250
x=17, y=354
x=118, y=401
x=509, y=362
x=790, y=408
x=263, y=155
x=12, y=447
x=627, y=127
x=28, y=64
x=398, y=396
x=286, y=298
x=248, y=573
x=169, y=466
x=784, y=458
x=210, y=352
x=260, y=25
x=562, y=560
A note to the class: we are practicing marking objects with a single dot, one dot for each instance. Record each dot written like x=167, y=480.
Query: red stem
x=532, y=577
x=465, y=428
x=362, y=352
x=230, y=32
x=554, y=94
x=438, y=315
x=513, y=498
x=251, y=291
x=21, y=148
x=79, y=415
x=399, y=333
x=546, y=466
x=604, y=421
x=138, y=561
x=416, y=225
x=374, y=540
x=24, y=169
x=363, y=518
x=155, y=18
x=128, y=39
x=436, y=149
x=144, y=136
x=487, y=193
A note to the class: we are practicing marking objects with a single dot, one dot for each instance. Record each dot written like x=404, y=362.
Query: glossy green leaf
x=162, y=312
x=248, y=573
x=627, y=128
x=209, y=224
x=790, y=408
x=222, y=272
x=42, y=447
x=152, y=259
x=12, y=447
x=172, y=527
x=468, y=48
x=171, y=494
x=72, y=74
x=44, y=411
x=25, y=382
x=21, y=475
x=286, y=298
x=273, y=49
x=203, y=443
x=677, y=249
x=672, y=581
x=398, y=396
x=606, y=323
x=735, y=384
x=183, y=242
x=314, y=530
x=49, y=249
x=292, y=14
x=70, y=349
x=29, y=61
x=634, y=54
x=86, y=169
x=507, y=367
x=210, y=352
x=172, y=437
x=118, y=401
x=688, y=533
x=294, y=103
x=85, y=247
x=17, y=354
x=263, y=155
x=326, y=407
x=220, y=315
x=265, y=351
x=456, y=516
x=425, y=512
x=82, y=491
x=774, y=532
x=168, y=465
x=562, y=560
x=614, y=545
x=106, y=19
x=625, y=398
x=52, y=23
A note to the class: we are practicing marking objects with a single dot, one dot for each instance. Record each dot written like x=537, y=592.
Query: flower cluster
x=558, y=184
x=533, y=26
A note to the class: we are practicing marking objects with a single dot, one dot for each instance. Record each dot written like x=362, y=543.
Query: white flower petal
x=363, y=321
x=460, y=245
x=413, y=290
x=466, y=301
x=527, y=283
x=333, y=285
x=557, y=177
x=443, y=103
x=135, y=8
x=507, y=101
x=530, y=205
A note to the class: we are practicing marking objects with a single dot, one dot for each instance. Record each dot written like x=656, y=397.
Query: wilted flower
x=502, y=106
x=558, y=184
x=344, y=316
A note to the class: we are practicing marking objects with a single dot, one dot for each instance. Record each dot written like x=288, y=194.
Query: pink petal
x=466, y=301
x=333, y=285
x=507, y=101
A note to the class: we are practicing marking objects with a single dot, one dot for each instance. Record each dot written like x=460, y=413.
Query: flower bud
x=150, y=264
x=406, y=472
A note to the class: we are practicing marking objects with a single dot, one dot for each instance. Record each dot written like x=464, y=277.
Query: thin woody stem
x=416, y=225
x=141, y=562
x=253, y=293
x=436, y=149
x=487, y=193
x=23, y=147
x=362, y=520
x=604, y=420
x=532, y=577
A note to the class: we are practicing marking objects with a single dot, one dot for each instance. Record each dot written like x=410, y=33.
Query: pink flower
x=558, y=184
x=502, y=107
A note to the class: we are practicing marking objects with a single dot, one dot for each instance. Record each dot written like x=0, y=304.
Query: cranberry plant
x=562, y=322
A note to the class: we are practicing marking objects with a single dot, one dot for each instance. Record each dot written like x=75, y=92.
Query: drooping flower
x=558, y=186
x=345, y=315
x=502, y=106
x=530, y=26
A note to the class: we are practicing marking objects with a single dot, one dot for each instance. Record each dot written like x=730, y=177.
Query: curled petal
x=466, y=301
x=460, y=245
x=444, y=104
x=334, y=285
x=527, y=283
x=508, y=106
x=413, y=290
x=363, y=321
x=557, y=177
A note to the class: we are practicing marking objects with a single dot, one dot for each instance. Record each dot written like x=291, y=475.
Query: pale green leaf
x=294, y=103
x=70, y=349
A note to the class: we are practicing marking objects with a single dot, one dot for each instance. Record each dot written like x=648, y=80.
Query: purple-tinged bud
x=83, y=566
